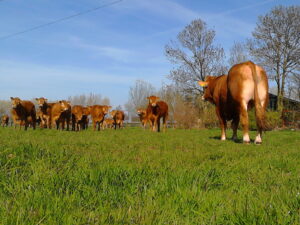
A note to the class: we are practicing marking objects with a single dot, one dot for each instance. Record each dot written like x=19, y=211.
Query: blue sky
x=105, y=51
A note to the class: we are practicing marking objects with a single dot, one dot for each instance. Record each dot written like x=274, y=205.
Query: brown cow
x=118, y=117
x=142, y=113
x=44, y=112
x=98, y=113
x=61, y=114
x=4, y=120
x=108, y=123
x=23, y=111
x=246, y=85
x=77, y=116
x=155, y=111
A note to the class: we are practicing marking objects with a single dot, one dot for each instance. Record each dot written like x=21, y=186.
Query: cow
x=23, y=112
x=108, y=123
x=155, y=111
x=44, y=112
x=61, y=114
x=4, y=120
x=142, y=113
x=98, y=113
x=77, y=117
x=118, y=117
x=245, y=86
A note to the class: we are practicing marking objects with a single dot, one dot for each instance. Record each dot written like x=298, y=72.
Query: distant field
x=133, y=176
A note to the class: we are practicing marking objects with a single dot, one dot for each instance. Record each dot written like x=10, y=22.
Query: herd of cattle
x=61, y=115
x=245, y=86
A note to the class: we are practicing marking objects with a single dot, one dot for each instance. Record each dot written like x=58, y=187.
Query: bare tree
x=138, y=95
x=276, y=45
x=195, y=55
x=238, y=54
x=91, y=99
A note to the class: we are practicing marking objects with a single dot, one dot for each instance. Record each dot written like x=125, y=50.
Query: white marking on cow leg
x=246, y=138
x=258, y=139
x=223, y=137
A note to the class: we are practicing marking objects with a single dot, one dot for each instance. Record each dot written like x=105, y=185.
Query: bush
x=273, y=120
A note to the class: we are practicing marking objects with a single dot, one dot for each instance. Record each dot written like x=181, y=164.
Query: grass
x=133, y=176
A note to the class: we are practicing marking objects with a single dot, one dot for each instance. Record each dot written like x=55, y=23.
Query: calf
x=24, y=112
x=108, y=123
x=118, y=117
x=142, y=113
x=61, y=114
x=4, y=120
x=155, y=111
x=77, y=116
x=85, y=118
x=98, y=113
x=245, y=86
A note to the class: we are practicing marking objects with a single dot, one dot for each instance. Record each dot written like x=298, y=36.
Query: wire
x=59, y=20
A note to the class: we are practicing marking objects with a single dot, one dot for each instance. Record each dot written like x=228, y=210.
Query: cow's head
x=207, y=95
x=105, y=109
x=141, y=112
x=41, y=101
x=65, y=105
x=15, y=102
x=152, y=100
x=113, y=113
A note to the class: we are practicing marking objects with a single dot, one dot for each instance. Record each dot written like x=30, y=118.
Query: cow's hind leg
x=244, y=122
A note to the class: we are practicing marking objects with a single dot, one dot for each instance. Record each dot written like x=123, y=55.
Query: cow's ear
x=59, y=101
x=109, y=107
x=203, y=83
x=68, y=102
x=148, y=97
x=157, y=98
x=36, y=99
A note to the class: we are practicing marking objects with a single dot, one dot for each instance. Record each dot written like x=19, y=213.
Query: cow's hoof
x=258, y=142
x=246, y=142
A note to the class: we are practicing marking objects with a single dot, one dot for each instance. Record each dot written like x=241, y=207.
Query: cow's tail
x=259, y=110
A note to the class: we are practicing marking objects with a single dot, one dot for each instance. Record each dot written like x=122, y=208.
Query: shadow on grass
x=239, y=140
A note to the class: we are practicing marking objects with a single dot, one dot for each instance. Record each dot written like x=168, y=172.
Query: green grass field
x=133, y=176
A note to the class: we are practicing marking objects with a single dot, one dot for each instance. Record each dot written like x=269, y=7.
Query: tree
x=138, y=95
x=238, y=54
x=195, y=55
x=276, y=45
x=91, y=99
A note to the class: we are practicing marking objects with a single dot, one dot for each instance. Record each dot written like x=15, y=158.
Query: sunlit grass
x=133, y=176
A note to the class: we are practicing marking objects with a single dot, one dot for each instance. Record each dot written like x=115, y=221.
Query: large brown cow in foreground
x=23, y=112
x=61, y=114
x=233, y=95
x=142, y=113
x=4, y=120
x=155, y=111
x=118, y=117
x=98, y=113
x=44, y=112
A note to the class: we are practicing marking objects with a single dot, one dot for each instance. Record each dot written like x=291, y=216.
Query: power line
x=59, y=20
